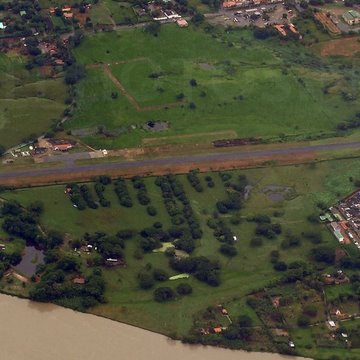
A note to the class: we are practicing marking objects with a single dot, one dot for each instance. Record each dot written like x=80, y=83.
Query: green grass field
x=23, y=93
x=243, y=87
x=249, y=270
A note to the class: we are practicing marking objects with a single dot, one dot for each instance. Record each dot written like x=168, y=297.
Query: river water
x=33, y=331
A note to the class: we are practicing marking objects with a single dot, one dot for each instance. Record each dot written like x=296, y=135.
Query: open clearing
x=243, y=87
x=23, y=93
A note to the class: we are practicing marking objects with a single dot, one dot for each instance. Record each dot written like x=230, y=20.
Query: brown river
x=32, y=331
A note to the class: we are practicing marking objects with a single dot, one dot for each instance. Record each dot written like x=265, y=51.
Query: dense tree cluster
x=186, y=227
x=88, y=196
x=74, y=73
x=109, y=246
x=194, y=180
x=122, y=193
x=100, y=189
x=142, y=194
x=56, y=285
x=76, y=196
x=209, y=181
x=235, y=193
x=24, y=223
x=201, y=267
x=224, y=234
x=324, y=254
x=163, y=294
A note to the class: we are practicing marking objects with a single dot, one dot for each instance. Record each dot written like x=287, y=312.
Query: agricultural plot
x=23, y=93
x=244, y=85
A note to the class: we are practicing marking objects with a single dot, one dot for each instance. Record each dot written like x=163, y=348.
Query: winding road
x=70, y=168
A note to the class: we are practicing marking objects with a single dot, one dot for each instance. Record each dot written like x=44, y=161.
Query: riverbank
x=46, y=331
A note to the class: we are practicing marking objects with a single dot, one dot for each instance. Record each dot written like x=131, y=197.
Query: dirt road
x=169, y=164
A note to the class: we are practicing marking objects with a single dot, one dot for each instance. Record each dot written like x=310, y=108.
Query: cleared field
x=23, y=93
x=241, y=88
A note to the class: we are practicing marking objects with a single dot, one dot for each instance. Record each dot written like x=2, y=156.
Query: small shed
x=182, y=23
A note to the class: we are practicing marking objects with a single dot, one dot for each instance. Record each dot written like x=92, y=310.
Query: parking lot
x=260, y=16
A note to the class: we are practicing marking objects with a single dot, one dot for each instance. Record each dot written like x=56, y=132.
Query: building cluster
x=351, y=17
x=282, y=29
x=247, y=3
x=344, y=220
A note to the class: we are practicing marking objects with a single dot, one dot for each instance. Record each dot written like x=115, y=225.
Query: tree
x=280, y=266
x=153, y=28
x=303, y=320
x=245, y=321
x=74, y=73
x=193, y=82
x=324, y=254
x=2, y=150
x=198, y=18
x=146, y=280
x=228, y=250
x=164, y=294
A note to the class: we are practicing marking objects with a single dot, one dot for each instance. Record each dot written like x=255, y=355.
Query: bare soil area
x=343, y=47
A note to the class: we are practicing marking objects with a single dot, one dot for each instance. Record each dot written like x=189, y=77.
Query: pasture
x=241, y=84
x=23, y=93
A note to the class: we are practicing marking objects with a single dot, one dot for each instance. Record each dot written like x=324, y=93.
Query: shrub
x=151, y=210
x=146, y=281
x=228, y=250
x=160, y=275
x=184, y=289
x=164, y=294
x=280, y=266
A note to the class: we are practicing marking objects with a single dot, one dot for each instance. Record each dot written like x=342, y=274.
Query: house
x=182, y=23
x=351, y=17
x=293, y=28
x=59, y=62
x=2, y=26
x=79, y=280
x=331, y=323
x=280, y=29
x=66, y=9
x=114, y=262
x=229, y=4
x=63, y=147
x=217, y=330
x=224, y=312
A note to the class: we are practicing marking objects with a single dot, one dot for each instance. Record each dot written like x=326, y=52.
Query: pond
x=32, y=257
x=278, y=193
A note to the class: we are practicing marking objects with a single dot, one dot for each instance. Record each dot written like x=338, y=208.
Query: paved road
x=176, y=160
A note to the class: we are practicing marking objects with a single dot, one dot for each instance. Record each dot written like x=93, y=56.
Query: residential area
x=343, y=220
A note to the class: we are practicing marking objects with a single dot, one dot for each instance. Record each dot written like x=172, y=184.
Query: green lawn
x=243, y=87
x=23, y=93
